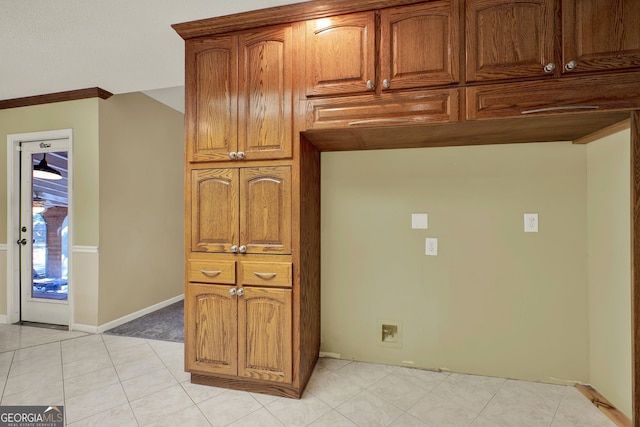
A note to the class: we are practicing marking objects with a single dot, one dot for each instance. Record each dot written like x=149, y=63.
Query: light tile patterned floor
x=105, y=380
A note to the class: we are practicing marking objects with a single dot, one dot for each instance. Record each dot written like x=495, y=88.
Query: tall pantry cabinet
x=252, y=215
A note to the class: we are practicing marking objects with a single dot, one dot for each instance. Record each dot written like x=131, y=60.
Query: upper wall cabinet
x=239, y=96
x=508, y=39
x=415, y=46
x=600, y=35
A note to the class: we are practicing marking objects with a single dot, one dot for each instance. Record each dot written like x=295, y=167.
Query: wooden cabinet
x=241, y=210
x=507, y=39
x=239, y=96
x=600, y=35
x=243, y=332
x=416, y=46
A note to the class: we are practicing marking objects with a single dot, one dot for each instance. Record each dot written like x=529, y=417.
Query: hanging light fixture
x=39, y=205
x=44, y=171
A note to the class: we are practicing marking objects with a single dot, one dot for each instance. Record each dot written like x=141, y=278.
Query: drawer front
x=276, y=274
x=570, y=95
x=395, y=109
x=213, y=271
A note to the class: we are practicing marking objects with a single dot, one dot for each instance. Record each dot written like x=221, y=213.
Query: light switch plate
x=419, y=221
x=431, y=246
x=531, y=223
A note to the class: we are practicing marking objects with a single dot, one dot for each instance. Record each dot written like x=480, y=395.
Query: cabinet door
x=211, y=329
x=265, y=210
x=266, y=88
x=264, y=334
x=211, y=89
x=600, y=34
x=340, y=54
x=214, y=210
x=419, y=45
x=509, y=38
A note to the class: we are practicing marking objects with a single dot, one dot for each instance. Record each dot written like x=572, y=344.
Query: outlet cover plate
x=420, y=221
x=431, y=246
x=531, y=223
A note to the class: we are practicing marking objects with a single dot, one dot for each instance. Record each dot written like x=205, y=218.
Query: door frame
x=13, y=216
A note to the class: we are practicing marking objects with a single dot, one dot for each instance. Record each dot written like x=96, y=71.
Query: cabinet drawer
x=570, y=95
x=391, y=109
x=265, y=273
x=214, y=271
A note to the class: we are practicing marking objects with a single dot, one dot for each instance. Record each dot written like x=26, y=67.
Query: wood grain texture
x=247, y=384
x=600, y=35
x=635, y=264
x=265, y=274
x=280, y=15
x=604, y=405
x=265, y=93
x=264, y=334
x=603, y=133
x=508, y=39
x=265, y=209
x=598, y=93
x=70, y=95
x=419, y=45
x=211, y=271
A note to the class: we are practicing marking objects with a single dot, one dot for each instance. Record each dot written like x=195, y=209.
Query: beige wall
x=82, y=117
x=141, y=204
x=609, y=222
x=496, y=300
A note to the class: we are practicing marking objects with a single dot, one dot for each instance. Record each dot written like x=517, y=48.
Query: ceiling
x=121, y=46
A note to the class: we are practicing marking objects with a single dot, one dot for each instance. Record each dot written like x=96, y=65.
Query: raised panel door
x=508, y=39
x=266, y=87
x=600, y=35
x=211, y=108
x=419, y=45
x=214, y=210
x=265, y=210
x=211, y=329
x=340, y=54
x=264, y=334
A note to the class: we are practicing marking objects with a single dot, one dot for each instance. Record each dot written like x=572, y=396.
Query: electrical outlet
x=531, y=223
x=431, y=246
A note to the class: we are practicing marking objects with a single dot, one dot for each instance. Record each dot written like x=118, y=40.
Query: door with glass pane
x=44, y=227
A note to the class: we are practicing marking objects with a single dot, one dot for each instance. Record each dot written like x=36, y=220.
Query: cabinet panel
x=211, y=336
x=509, y=38
x=265, y=204
x=212, y=271
x=214, y=210
x=265, y=104
x=600, y=34
x=419, y=45
x=211, y=106
x=340, y=54
x=278, y=274
x=264, y=337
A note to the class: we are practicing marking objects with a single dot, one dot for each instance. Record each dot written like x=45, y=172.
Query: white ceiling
x=121, y=46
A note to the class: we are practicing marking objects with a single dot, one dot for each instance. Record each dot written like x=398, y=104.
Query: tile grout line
x=7, y=377
x=555, y=413
x=489, y=401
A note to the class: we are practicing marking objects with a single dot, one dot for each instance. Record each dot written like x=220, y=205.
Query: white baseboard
x=3, y=318
x=83, y=328
x=129, y=317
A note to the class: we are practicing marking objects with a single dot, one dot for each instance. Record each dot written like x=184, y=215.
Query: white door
x=44, y=226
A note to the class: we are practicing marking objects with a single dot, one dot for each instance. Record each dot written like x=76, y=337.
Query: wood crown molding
x=70, y=95
x=280, y=15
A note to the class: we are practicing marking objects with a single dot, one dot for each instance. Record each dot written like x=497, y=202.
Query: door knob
x=240, y=154
x=234, y=249
x=22, y=242
x=370, y=85
x=386, y=84
x=232, y=291
x=549, y=67
x=571, y=65
x=233, y=155
x=240, y=292
x=243, y=249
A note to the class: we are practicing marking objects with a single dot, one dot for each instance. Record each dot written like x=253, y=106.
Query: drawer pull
x=566, y=107
x=369, y=121
x=211, y=273
x=266, y=276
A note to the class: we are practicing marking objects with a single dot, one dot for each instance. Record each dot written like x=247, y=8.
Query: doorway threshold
x=43, y=325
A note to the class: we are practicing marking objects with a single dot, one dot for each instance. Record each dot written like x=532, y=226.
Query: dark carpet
x=166, y=324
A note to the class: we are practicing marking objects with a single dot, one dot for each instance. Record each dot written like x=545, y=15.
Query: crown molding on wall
x=70, y=95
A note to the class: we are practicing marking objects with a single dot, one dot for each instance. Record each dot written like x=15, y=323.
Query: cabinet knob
x=240, y=154
x=234, y=249
x=240, y=292
x=232, y=291
x=233, y=155
x=571, y=65
x=243, y=249
x=370, y=85
x=386, y=84
x=549, y=68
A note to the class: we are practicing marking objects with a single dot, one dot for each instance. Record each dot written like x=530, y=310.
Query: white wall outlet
x=531, y=223
x=431, y=246
x=419, y=221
